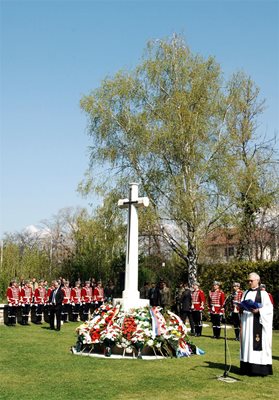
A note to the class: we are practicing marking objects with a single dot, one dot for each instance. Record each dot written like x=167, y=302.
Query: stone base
x=130, y=356
x=128, y=304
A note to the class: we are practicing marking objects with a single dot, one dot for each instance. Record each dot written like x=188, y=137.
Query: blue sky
x=54, y=52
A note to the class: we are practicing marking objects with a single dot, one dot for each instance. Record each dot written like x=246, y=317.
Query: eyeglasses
x=251, y=280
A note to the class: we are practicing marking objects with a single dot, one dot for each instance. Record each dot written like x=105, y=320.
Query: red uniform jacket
x=67, y=295
x=40, y=295
x=49, y=290
x=26, y=295
x=86, y=294
x=13, y=295
x=98, y=294
x=76, y=295
x=198, y=300
x=216, y=301
x=237, y=296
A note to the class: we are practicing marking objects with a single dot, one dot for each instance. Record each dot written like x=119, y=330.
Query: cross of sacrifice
x=130, y=295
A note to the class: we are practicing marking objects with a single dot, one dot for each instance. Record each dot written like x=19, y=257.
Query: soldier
x=86, y=299
x=47, y=305
x=236, y=298
x=76, y=300
x=26, y=296
x=216, y=302
x=198, y=302
x=66, y=301
x=13, y=297
x=98, y=294
x=39, y=301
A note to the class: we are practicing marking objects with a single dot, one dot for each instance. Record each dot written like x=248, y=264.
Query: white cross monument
x=130, y=296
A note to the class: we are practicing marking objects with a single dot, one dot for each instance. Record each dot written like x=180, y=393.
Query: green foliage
x=249, y=165
x=22, y=261
x=99, y=242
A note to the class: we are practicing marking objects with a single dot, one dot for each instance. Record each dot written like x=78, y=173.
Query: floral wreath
x=162, y=331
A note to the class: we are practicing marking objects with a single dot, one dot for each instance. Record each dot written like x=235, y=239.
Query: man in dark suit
x=186, y=307
x=55, y=305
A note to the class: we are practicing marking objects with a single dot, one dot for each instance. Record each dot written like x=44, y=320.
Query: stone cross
x=130, y=294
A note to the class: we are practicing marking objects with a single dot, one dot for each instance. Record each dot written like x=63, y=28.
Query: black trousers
x=236, y=324
x=25, y=311
x=85, y=311
x=65, y=312
x=197, y=317
x=216, y=325
x=188, y=314
x=39, y=313
x=55, y=310
x=75, y=311
x=12, y=311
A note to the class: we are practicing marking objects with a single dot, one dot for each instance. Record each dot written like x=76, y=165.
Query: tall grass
x=36, y=363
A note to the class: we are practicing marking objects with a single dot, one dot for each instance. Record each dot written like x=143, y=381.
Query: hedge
x=237, y=271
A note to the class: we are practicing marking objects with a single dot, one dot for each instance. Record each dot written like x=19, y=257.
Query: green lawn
x=36, y=363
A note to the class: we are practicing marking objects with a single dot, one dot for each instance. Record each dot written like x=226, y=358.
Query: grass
x=36, y=363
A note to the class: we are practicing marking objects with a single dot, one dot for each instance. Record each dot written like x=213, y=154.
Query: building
x=223, y=244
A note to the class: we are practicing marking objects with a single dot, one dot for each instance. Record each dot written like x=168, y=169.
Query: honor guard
x=198, y=302
x=76, y=301
x=47, y=304
x=216, y=302
x=26, y=296
x=236, y=298
x=13, y=297
x=66, y=301
x=98, y=294
x=39, y=301
x=86, y=299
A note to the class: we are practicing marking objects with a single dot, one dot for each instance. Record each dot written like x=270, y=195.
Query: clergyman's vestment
x=256, y=336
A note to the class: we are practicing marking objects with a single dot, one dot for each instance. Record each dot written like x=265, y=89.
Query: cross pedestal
x=130, y=295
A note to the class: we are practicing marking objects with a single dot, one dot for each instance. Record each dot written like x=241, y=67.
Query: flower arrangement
x=136, y=331
x=176, y=336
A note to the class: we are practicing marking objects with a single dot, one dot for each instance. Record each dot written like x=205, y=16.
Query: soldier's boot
x=236, y=331
x=214, y=332
x=218, y=332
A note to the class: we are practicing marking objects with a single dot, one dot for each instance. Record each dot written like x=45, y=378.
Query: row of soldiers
x=78, y=301
x=190, y=303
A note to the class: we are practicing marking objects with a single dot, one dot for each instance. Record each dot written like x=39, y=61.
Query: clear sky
x=54, y=52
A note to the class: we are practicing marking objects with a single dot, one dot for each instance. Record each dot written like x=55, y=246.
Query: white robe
x=247, y=354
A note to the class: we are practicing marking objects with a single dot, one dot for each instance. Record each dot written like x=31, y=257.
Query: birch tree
x=164, y=125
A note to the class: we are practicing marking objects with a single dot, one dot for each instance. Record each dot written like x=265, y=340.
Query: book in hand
x=248, y=305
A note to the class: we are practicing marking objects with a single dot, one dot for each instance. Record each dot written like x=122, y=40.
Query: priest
x=256, y=331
